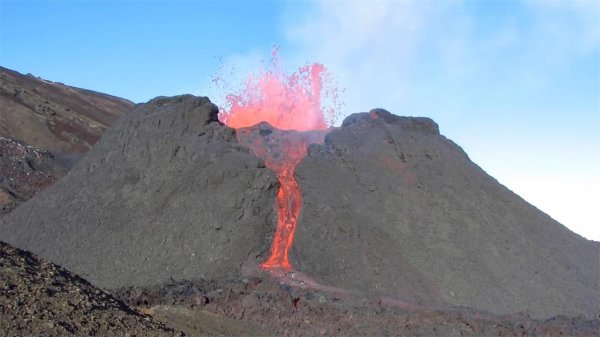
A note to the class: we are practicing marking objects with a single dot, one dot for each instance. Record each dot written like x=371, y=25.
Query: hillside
x=54, y=116
x=45, y=128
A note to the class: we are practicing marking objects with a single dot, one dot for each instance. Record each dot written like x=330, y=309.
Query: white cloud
x=362, y=43
x=391, y=53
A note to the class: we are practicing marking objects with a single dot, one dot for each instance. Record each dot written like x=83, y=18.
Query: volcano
x=390, y=207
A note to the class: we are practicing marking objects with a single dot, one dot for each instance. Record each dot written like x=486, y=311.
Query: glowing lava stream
x=289, y=103
x=282, y=151
x=289, y=203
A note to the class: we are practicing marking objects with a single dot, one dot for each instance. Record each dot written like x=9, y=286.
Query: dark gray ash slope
x=167, y=193
x=391, y=208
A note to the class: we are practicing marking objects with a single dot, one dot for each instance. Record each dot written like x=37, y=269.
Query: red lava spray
x=287, y=102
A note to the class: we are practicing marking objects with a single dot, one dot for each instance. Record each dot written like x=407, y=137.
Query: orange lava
x=289, y=203
x=286, y=102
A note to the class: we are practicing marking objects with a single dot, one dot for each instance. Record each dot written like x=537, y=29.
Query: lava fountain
x=300, y=107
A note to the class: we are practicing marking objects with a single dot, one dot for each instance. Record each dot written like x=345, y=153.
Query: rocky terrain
x=38, y=298
x=25, y=171
x=260, y=306
x=45, y=127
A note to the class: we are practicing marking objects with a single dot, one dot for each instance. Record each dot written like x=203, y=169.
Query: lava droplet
x=294, y=105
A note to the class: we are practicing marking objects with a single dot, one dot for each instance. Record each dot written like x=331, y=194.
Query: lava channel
x=282, y=151
x=290, y=116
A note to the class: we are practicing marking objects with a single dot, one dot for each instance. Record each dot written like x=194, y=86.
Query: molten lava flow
x=282, y=151
x=286, y=102
x=289, y=202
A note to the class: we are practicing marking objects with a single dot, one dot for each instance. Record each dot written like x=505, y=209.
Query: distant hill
x=54, y=116
x=45, y=127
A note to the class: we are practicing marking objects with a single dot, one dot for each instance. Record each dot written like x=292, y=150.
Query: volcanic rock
x=25, y=170
x=38, y=298
x=167, y=193
x=54, y=116
x=261, y=307
x=394, y=208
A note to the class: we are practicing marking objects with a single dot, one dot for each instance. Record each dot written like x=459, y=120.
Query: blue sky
x=133, y=49
x=515, y=83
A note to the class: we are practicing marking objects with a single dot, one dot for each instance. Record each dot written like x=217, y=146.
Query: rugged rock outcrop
x=39, y=298
x=25, y=170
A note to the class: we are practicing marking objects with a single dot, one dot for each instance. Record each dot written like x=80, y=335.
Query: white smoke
x=370, y=47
